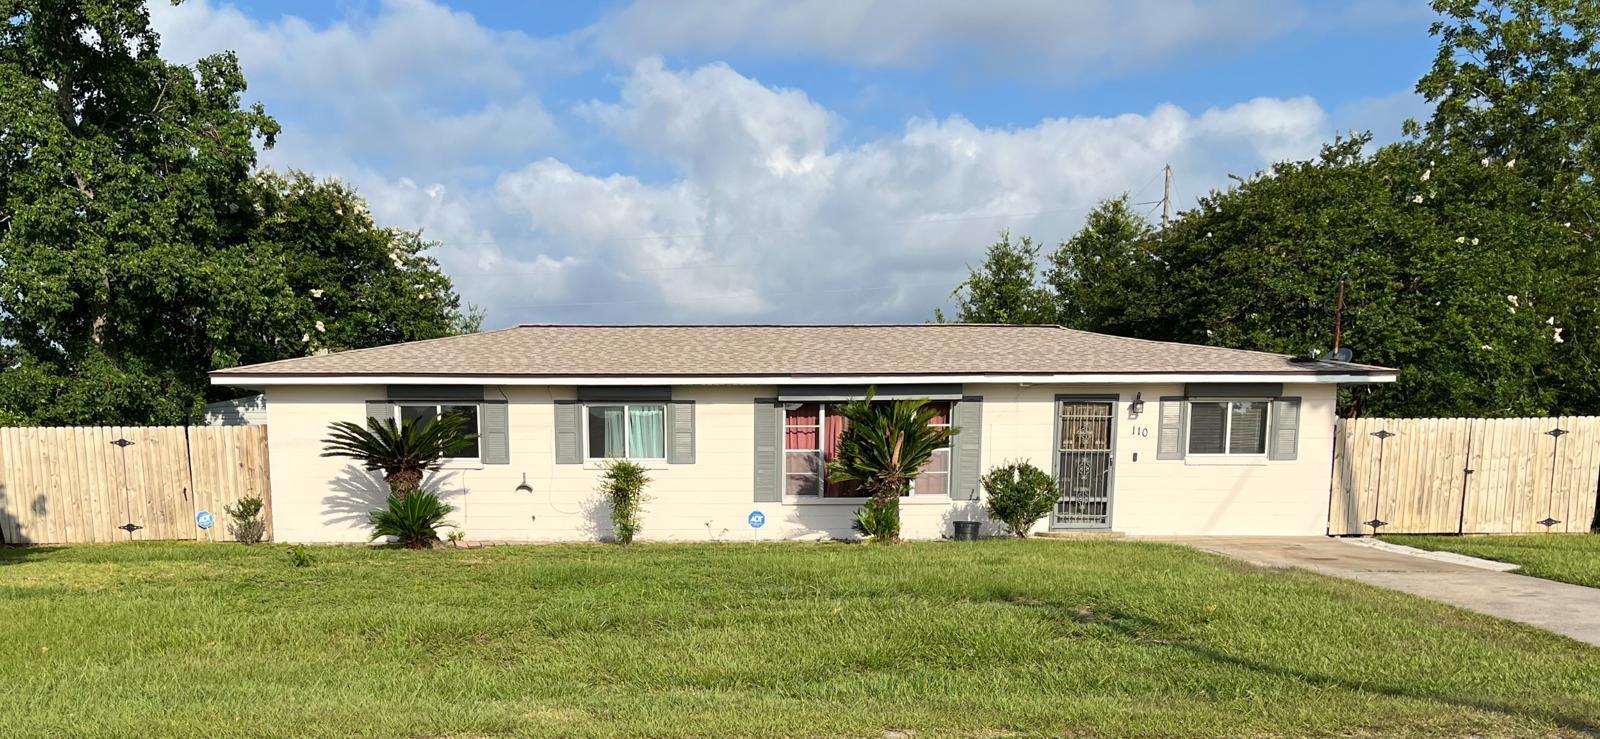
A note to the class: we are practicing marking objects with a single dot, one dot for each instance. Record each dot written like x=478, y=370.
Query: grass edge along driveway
x=1571, y=558
x=941, y=638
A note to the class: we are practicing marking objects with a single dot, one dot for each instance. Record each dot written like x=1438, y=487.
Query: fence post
x=1377, y=494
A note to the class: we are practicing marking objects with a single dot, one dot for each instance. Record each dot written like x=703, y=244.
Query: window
x=1228, y=426
x=427, y=412
x=803, y=470
x=811, y=434
x=626, y=431
x=935, y=476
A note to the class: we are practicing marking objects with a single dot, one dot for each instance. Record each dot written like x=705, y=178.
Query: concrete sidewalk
x=1569, y=610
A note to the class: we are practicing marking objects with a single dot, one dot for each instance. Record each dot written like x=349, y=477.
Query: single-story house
x=1144, y=437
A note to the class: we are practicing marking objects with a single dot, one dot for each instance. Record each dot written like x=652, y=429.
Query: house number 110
x=1139, y=430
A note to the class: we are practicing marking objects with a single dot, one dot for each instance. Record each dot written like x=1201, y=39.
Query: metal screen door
x=1083, y=466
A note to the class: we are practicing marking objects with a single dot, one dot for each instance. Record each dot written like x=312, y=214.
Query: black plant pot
x=966, y=530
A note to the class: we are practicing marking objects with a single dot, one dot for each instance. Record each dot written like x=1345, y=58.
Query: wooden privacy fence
x=102, y=484
x=1464, y=475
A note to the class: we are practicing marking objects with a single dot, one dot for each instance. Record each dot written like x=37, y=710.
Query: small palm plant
x=413, y=520
x=882, y=450
x=405, y=451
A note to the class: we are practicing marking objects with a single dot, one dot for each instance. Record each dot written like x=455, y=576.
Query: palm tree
x=403, y=451
x=882, y=449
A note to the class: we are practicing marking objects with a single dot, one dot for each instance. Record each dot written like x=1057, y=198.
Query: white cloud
x=766, y=221
x=414, y=82
x=1045, y=38
x=762, y=214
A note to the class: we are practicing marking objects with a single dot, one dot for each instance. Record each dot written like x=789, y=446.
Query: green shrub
x=878, y=519
x=413, y=519
x=1018, y=494
x=623, y=485
x=298, y=556
x=246, y=525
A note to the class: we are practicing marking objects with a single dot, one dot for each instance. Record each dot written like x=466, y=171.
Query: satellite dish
x=1342, y=354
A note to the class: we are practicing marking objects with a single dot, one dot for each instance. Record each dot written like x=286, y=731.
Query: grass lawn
x=987, y=638
x=1573, y=558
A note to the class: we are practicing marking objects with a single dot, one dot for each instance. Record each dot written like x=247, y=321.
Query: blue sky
x=756, y=161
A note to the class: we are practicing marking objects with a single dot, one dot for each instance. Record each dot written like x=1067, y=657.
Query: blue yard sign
x=203, y=519
x=757, y=519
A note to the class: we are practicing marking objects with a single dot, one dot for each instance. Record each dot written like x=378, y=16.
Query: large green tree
x=137, y=249
x=1468, y=252
x=1005, y=288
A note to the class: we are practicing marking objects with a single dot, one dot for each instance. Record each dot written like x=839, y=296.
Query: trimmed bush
x=623, y=484
x=1018, y=494
x=246, y=525
x=413, y=519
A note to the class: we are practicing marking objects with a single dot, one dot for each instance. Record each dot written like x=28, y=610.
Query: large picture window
x=427, y=412
x=626, y=431
x=1228, y=426
x=811, y=434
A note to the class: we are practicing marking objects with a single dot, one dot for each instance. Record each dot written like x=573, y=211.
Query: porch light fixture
x=524, y=487
x=1137, y=406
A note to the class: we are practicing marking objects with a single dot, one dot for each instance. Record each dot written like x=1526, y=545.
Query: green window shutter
x=967, y=415
x=493, y=435
x=569, y=432
x=380, y=410
x=1170, y=438
x=769, y=435
x=1284, y=437
x=680, y=430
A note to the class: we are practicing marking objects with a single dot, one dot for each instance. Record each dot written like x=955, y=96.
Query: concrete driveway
x=1569, y=610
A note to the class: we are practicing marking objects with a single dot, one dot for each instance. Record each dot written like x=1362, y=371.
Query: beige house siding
x=317, y=499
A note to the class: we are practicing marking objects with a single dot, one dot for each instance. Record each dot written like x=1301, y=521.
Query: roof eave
x=244, y=379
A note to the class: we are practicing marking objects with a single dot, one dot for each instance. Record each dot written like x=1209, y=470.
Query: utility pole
x=1166, y=197
x=1338, y=313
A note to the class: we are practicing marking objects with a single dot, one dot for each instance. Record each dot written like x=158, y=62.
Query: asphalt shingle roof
x=794, y=351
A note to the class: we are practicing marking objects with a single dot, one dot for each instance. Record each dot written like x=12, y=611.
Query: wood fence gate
x=104, y=484
x=1464, y=475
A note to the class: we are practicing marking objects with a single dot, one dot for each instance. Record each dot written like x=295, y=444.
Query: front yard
x=1573, y=558
x=990, y=638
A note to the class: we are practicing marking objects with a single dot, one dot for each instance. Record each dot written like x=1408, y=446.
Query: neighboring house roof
x=777, y=352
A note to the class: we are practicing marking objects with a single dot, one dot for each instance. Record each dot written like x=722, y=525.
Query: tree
x=883, y=449
x=1519, y=80
x=1005, y=289
x=1092, y=273
x=137, y=252
x=405, y=451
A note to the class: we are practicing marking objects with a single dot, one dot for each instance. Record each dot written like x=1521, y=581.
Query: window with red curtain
x=802, y=450
x=935, y=476
x=811, y=434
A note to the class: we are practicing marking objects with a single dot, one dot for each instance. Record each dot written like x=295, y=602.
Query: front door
x=1084, y=458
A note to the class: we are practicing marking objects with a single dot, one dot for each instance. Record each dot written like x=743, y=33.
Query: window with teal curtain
x=647, y=431
x=607, y=435
x=627, y=431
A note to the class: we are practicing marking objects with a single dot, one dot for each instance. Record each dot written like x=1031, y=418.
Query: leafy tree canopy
x=138, y=248
x=1468, y=251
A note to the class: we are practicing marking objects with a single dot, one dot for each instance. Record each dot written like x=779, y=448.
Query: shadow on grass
x=1156, y=633
x=14, y=554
